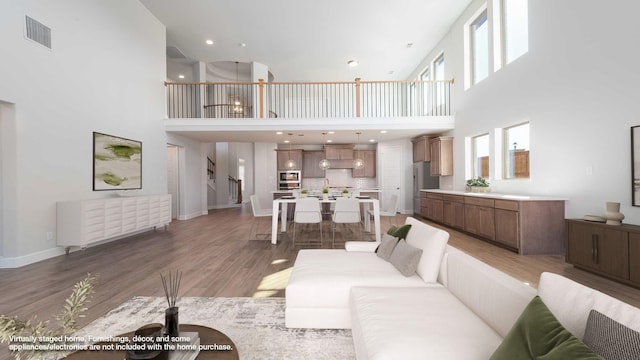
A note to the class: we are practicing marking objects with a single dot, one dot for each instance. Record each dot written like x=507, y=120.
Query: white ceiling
x=302, y=40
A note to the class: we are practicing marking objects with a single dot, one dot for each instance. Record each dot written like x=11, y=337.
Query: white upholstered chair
x=390, y=209
x=307, y=212
x=347, y=211
x=258, y=211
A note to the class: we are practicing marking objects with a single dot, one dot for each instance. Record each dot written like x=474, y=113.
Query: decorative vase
x=325, y=196
x=480, y=189
x=613, y=214
x=171, y=321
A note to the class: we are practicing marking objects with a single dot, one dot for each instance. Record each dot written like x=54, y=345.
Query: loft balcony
x=327, y=100
x=254, y=111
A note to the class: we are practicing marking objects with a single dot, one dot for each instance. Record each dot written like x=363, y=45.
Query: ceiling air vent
x=174, y=53
x=37, y=32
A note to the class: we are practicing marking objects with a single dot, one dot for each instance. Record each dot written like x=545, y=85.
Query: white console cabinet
x=81, y=223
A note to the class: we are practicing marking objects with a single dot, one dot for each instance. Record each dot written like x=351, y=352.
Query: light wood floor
x=218, y=258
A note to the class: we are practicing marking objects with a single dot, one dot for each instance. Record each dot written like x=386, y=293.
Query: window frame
x=476, y=171
x=482, y=14
x=506, y=156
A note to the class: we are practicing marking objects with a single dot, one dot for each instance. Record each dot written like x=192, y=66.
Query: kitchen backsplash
x=340, y=178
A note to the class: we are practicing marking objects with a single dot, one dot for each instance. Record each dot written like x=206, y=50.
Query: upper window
x=515, y=28
x=438, y=74
x=479, y=35
x=516, y=152
x=480, y=156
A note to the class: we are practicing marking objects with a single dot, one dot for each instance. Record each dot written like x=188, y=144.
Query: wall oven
x=289, y=179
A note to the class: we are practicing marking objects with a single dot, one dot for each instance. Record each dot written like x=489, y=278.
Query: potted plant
x=478, y=184
x=304, y=193
x=325, y=193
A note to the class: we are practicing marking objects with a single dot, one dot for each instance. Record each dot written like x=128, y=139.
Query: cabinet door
x=507, y=227
x=310, y=164
x=434, y=145
x=471, y=218
x=487, y=222
x=634, y=257
x=285, y=155
x=421, y=151
x=369, y=169
x=598, y=248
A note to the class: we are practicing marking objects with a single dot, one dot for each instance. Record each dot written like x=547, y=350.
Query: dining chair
x=258, y=211
x=347, y=211
x=307, y=212
x=390, y=209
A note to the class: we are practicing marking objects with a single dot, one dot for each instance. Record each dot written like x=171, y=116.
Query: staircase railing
x=211, y=169
x=235, y=189
x=309, y=100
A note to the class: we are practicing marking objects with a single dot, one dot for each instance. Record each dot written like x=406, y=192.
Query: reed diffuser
x=171, y=285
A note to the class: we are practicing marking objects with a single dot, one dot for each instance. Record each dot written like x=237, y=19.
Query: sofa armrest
x=361, y=246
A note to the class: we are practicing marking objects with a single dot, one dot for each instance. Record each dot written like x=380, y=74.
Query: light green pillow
x=537, y=334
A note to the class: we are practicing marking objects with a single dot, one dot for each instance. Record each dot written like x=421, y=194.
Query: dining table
x=281, y=204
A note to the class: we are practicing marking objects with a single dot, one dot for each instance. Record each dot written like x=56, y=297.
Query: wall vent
x=37, y=32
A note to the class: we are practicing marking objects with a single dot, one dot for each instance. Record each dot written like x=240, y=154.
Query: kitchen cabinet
x=634, y=258
x=453, y=211
x=533, y=225
x=479, y=217
x=310, y=164
x=600, y=248
x=441, y=150
x=421, y=149
x=285, y=155
x=369, y=169
x=339, y=152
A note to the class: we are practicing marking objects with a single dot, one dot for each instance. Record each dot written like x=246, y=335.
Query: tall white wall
x=577, y=86
x=105, y=73
x=265, y=160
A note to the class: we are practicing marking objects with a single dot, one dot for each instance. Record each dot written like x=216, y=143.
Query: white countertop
x=491, y=195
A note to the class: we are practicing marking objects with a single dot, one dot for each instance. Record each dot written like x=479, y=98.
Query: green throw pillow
x=399, y=232
x=537, y=334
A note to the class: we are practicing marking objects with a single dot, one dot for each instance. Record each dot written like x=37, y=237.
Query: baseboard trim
x=20, y=261
x=192, y=215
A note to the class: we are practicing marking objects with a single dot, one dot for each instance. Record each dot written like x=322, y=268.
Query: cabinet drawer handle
x=594, y=248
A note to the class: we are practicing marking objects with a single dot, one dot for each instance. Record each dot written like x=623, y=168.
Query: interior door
x=392, y=178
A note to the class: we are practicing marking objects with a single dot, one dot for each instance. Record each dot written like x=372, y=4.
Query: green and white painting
x=117, y=163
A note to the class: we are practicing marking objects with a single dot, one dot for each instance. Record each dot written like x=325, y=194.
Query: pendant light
x=290, y=164
x=358, y=163
x=324, y=164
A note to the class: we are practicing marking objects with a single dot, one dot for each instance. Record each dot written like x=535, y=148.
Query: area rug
x=255, y=325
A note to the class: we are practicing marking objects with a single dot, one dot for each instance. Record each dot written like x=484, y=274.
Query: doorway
x=173, y=178
x=392, y=174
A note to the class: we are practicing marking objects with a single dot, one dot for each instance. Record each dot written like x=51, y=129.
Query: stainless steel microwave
x=289, y=176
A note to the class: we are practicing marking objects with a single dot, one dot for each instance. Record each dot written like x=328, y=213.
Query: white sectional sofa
x=465, y=314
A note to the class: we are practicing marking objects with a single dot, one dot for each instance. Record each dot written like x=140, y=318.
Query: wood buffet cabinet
x=528, y=226
x=608, y=250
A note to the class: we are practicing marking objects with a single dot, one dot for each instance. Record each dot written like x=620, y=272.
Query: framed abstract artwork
x=117, y=163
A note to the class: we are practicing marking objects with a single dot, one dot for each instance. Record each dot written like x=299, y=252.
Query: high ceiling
x=302, y=40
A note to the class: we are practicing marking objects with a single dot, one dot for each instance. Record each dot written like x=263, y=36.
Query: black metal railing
x=309, y=100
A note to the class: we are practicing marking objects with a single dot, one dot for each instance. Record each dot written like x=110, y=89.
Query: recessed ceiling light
x=209, y=42
x=390, y=72
x=242, y=45
x=409, y=45
x=278, y=132
x=383, y=131
x=353, y=63
x=181, y=76
x=372, y=140
x=331, y=132
x=329, y=141
x=286, y=141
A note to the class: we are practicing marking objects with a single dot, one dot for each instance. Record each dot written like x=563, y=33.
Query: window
x=480, y=156
x=479, y=36
x=438, y=74
x=426, y=90
x=516, y=152
x=515, y=17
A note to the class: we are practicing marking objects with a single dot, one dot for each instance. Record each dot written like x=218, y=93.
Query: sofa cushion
x=405, y=258
x=417, y=323
x=571, y=303
x=610, y=339
x=323, y=277
x=538, y=334
x=496, y=297
x=432, y=241
x=387, y=244
x=399, y=232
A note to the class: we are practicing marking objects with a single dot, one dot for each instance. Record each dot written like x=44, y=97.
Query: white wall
x=105, y=73
x=265, y=160
x=577, y=86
